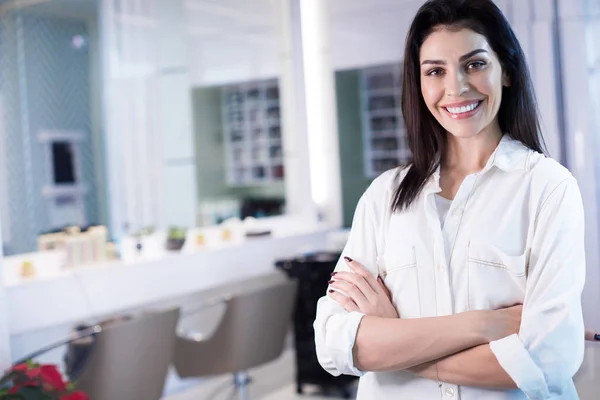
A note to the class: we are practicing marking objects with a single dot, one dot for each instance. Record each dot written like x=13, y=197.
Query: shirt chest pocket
x=495, y=279
x=399, y=270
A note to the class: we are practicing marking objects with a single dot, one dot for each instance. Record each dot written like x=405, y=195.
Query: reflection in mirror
x=237, y=109
x=367, y=40
x=51, y=162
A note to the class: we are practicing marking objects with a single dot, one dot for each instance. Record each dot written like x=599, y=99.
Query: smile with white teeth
x=463, y=109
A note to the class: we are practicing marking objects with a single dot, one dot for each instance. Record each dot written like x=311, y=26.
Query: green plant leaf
x=33, y=393
x=13, y=377
x=11, y=397
x=8, y=378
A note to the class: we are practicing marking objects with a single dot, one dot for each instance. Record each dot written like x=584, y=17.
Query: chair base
x=241, y=380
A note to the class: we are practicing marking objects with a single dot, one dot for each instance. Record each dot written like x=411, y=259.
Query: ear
x=505, y=79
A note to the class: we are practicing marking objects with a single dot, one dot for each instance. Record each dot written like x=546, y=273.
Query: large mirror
x=137, y=116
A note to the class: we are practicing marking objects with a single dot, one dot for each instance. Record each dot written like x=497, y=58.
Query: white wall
x=369, y=33
x=4, y=335
x=579, y=28
x=4, y=210
x=533, y=25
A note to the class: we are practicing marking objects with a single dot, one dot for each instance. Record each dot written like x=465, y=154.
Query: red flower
x=33, y=373
x=14, y=389
x=50, y=376
x=20, y=368
x=46, y=378
x=75, y=396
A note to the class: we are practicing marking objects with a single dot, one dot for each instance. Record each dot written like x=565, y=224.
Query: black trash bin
x=313, y=273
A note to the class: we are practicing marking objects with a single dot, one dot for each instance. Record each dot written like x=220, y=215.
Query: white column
x=298, y=191
x=321, y=111
x=4, y=330
x=546, y=75
x=582, y=134
x=179, y=157
x=148, y=119
x=533, y=23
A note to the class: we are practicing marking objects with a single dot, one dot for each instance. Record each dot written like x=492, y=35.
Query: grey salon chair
x=251, y=332
x=130, y=358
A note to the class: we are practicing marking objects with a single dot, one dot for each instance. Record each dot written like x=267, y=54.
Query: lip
x=465, y=115
x=462, y=103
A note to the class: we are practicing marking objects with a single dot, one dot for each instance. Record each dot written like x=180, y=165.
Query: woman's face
x=461, y=81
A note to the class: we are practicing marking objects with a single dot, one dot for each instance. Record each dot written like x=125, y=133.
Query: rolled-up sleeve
x=335, y=329
x=548, y=350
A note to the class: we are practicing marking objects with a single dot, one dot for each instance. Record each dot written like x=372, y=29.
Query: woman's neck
x=465, y=156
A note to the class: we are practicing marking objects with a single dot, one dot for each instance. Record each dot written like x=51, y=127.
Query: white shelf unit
x=384, y=133
x=252, y=130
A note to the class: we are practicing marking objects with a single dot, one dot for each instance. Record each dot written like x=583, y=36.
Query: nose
x=456, y=84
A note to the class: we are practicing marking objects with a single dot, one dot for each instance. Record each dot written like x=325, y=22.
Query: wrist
x=478, y=325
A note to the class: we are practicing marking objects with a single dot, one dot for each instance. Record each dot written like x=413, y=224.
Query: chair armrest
x=211, y=303
x=76, y=335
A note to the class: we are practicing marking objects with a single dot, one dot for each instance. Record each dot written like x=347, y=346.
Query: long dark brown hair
x=518, y=114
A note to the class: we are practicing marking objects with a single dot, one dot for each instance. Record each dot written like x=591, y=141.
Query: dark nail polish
x=597, y=337
x=330, y=282
x=333, y=273
x=348, y=259
x=331, y=291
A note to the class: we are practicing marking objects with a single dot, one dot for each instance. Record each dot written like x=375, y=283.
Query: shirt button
x=450, y=392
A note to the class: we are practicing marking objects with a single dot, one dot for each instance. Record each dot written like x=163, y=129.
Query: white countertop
x=58, y=296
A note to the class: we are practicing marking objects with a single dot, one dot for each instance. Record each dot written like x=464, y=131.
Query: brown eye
x=475, y=65
x=434, y=72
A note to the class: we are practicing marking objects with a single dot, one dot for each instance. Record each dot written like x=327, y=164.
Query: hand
x=590, y=336
x=360, y=291
x=503, y=322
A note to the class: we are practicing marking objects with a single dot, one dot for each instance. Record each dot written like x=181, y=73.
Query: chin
x=462, y=132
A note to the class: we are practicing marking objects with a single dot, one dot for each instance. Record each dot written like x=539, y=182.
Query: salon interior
x=169, y=168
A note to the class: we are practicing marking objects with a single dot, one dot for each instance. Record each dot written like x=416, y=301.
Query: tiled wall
x=46, y=86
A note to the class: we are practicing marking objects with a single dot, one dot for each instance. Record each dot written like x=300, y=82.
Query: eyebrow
x=461, y=59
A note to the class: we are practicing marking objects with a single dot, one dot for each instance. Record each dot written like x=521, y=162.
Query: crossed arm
x=476, y=366
x=452, y=349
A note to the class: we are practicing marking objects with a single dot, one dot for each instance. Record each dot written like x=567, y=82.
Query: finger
x=359, y=269
x=350, y=290
x=344, y=301
x=358, y=281
x=384, y=288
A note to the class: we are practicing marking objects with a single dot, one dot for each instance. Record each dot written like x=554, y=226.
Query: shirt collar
x=510, y=155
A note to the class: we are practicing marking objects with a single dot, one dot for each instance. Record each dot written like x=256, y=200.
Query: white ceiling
x=234, y=40
x=239, y=39
x=213, y=19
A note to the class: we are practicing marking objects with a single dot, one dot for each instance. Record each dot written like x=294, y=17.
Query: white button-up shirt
x=513, y=234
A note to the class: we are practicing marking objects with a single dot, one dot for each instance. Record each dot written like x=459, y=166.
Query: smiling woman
x=463, y=271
